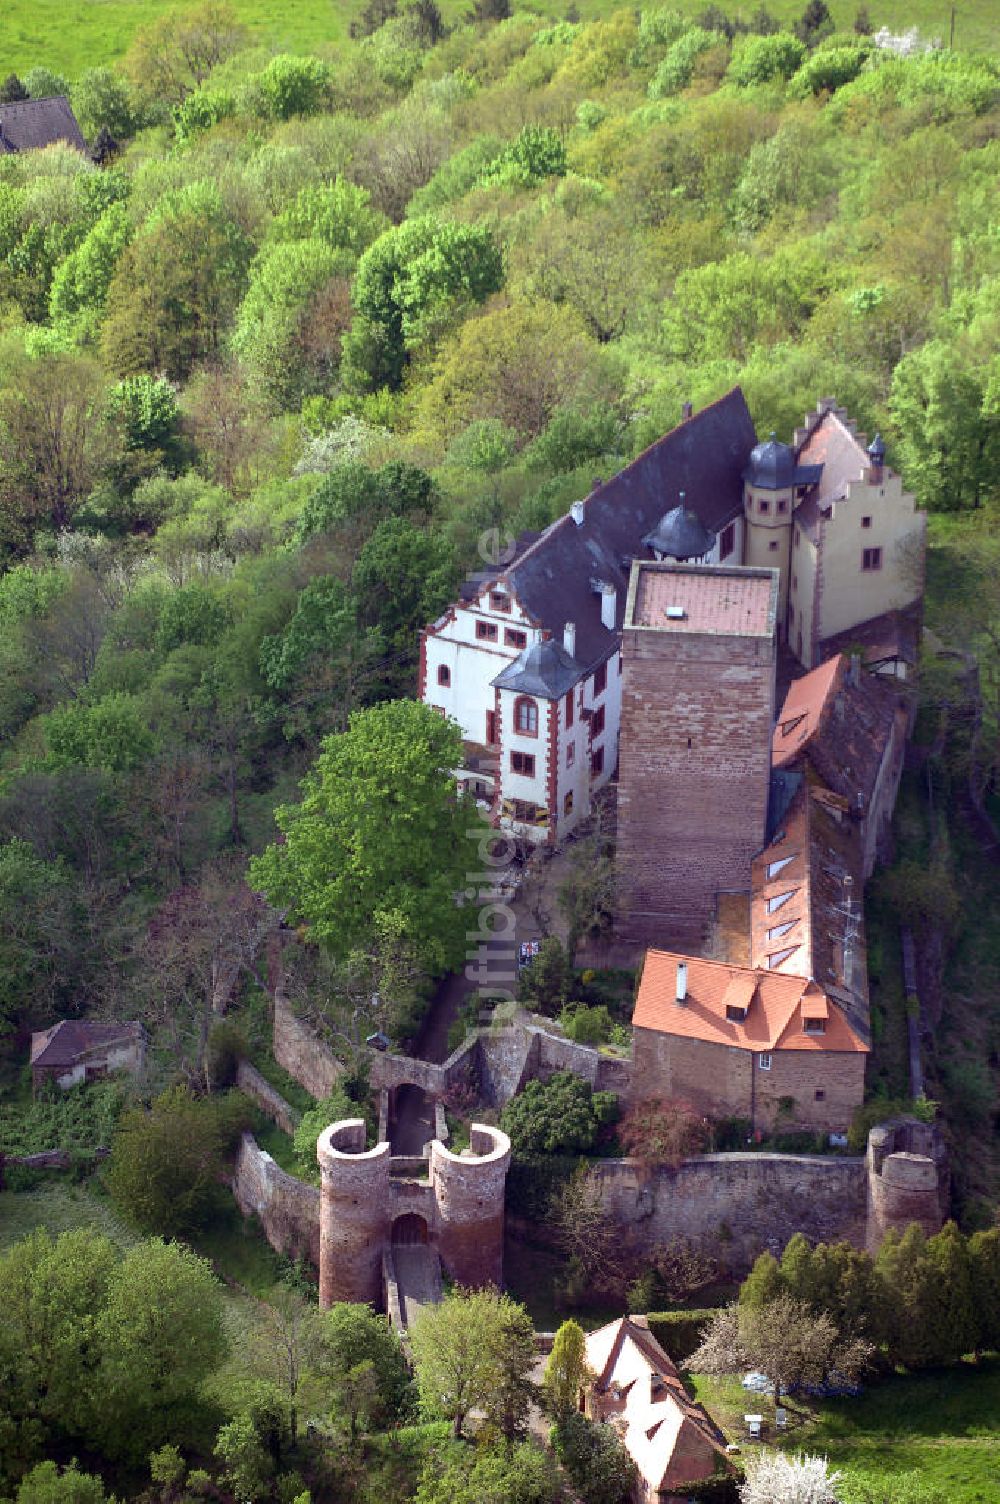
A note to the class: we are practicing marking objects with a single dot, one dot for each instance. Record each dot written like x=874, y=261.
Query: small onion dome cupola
x=680, y=534
x=876, y=452
x=771, y=466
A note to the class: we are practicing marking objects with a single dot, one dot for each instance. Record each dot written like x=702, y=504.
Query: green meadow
x=73, y=37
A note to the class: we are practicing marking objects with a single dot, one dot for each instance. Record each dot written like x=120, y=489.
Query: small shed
x=31, y=124
x=75, y=1050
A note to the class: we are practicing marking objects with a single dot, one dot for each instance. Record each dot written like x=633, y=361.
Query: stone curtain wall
x=300, y=1052
x=733, y=1206
x=287, y=1209
x=268, y=1099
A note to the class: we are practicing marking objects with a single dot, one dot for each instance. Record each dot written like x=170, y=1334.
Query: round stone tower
x=354, y=1214
x=769, y=496
x=469, y=1192
x=907, y=1180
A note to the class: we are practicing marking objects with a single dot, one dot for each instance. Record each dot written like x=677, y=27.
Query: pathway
x=418, y=1278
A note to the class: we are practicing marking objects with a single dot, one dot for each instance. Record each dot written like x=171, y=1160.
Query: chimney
x=686, y=411
x=609, y=606
x=854, y=673
x=569, y=638
x=682, y=983
x=576, y=512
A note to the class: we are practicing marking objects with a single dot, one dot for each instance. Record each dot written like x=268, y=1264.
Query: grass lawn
x=72, y=35
x=944, y=1426
x=60, y=1207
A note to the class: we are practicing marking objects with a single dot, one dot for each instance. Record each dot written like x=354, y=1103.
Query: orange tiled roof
x=726, y=600
x=774, y=1020
x=805, y=705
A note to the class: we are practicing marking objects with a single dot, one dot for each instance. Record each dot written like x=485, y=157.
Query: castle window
x=779, y=900
x=569, y=710
x=773, y=868
x=764, y=1061
x=515, y=639
x=523, y=763
x=782, y=504
x=487, y=631
x=597, y=761
x=727, y=541
x=781, y=929
x=763, y=507
x=779, y=957
x=524, y=811
x=570, y=754
x=597, y=721
x=444, y=674
x=600, y=680
x=866, y=522
x=871, y=558
x=820, y=1095
x=568, y=803
x=773, y=545
x=526, y=716
x=499, y=601
x=491, y=728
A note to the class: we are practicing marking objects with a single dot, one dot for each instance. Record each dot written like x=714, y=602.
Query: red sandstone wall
x=354, y=1214
x=694, y=764
x=287, y=1209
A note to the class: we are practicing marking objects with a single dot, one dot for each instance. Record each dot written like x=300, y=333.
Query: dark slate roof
x=680, y=534
x=72, y=1038
x=545, y=669
x=783, y=787
x=473, y=583
x=772, y=467
x=555, y=578
x=33, y=123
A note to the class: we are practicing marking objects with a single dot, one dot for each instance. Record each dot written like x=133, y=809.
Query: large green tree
x=380, y=830
x=474, y=1350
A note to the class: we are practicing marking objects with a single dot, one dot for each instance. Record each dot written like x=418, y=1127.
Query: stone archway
x=409, y=1230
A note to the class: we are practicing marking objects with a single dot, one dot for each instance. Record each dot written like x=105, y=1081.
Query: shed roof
x=72, y=1038
x=30, y=124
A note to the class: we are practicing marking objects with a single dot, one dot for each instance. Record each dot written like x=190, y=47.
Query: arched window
x=526, y=716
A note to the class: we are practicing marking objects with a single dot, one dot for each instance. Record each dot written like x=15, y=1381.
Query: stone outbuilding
x=76, y=1050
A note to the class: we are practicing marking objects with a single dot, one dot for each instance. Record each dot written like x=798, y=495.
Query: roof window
x=779, y=957
x=773, y=868
x=779, y=900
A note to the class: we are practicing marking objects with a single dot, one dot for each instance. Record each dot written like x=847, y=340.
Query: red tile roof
x=774, y=1020
x=728, y=601
x=805, y=705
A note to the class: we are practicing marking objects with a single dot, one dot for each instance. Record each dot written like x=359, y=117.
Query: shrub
x=294, y=85
x=676, y=69
x=663, y=1132
x=828, y=70
x=760, y=60
x=543, y=984
x=586, y=1025
x=599, y=1466
x=557, y=1117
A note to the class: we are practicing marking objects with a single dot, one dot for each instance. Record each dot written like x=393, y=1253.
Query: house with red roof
x=636, y=1389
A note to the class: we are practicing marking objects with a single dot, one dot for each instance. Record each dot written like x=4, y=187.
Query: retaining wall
x=287, y=1209
x=300, y=1052
x=267, y=1097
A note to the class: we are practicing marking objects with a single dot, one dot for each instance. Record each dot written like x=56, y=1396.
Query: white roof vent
x=682, y=982
x=676, y=613
x=576, y=512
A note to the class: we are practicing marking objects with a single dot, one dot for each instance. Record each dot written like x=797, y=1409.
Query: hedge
x=679, y=1332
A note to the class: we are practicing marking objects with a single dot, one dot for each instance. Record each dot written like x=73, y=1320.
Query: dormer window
x=814, y=1025
x=736, y=1015
x=779, y=900
x=499, y=600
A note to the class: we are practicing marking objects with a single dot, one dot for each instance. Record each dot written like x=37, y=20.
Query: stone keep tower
x=371, y=1200
x=698, y=667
